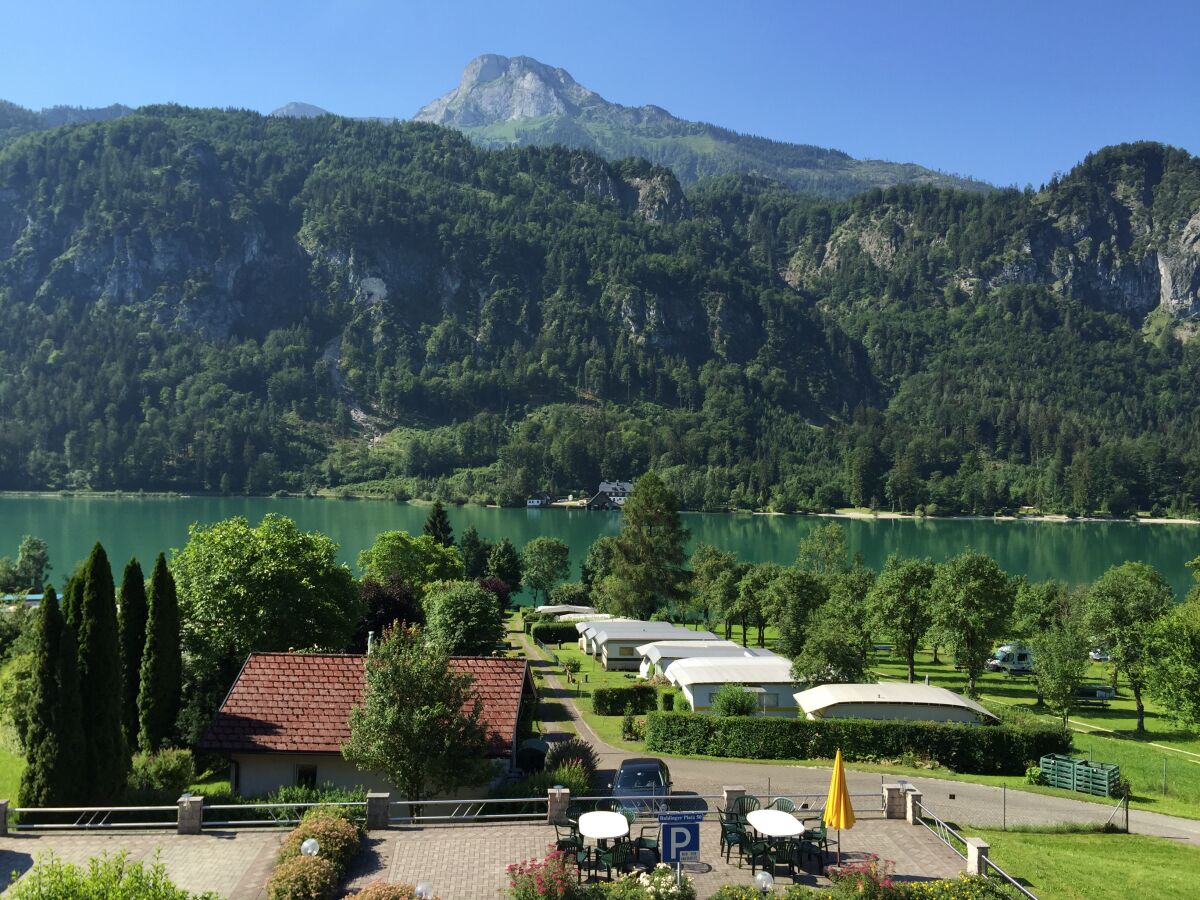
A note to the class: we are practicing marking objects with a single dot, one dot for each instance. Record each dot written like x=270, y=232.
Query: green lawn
x=11, y=765
x=1140, y=761
x=1095, y=866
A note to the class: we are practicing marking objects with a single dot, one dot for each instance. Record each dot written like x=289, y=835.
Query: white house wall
x=621, y=654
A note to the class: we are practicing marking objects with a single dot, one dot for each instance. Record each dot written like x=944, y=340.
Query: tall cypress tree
x=107, y=754
x=54, y=744
x=437, y=525
x=73, y=599
x=133, y=643
x=162, y=665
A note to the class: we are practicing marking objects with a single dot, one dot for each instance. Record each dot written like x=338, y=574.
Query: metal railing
x=91, y=817
x=471, y=810
x=990, y=868
x=950, y=837
x=277, y=814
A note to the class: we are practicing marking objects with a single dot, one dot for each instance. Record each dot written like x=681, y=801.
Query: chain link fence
x=997, y=807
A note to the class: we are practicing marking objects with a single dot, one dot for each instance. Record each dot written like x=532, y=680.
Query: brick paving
x=466, y=862
x=233, y=864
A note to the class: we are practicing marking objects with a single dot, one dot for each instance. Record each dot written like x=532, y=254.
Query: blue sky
x=1010, y=92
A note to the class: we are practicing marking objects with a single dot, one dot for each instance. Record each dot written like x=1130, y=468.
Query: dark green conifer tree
x=505, y=563
x=133, y=642
x=107, y=756
x=54, y=744
x=72, y=599
x=474, y=550
x=161, y=675
x=437, y=526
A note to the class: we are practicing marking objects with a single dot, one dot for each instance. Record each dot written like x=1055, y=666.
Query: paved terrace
x=467, y=861
x=464, y=862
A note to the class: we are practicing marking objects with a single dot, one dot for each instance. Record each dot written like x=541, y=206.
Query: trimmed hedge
x=555, y=632
x=976, y=749
x=611, y=701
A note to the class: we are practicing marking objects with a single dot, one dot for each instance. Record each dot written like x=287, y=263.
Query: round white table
x=603, y=826
x=773, y=823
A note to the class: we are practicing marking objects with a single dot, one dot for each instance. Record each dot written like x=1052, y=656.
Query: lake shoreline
x=851, y=514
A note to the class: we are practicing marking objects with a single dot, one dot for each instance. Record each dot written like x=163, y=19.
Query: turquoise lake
x=1076, y=552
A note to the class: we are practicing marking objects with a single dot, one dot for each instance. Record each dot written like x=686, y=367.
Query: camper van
x=1015, y=659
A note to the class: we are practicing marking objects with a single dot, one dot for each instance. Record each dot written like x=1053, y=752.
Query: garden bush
x=573, y=750
x=555, y=632
x=991, y=750
x=338, y=836
x=105, y=877
x=160, y=778
x=668, y=701
x=381, y=890
x=612, y=701
x=303, y=878
x=732, y=700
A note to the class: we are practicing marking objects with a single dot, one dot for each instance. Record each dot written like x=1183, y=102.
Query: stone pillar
x=732, y=792
x=557, y=801
x=912, y=801
x=3, y=818
x=378, y=807
x=893, y=801
x=977, y=852
x=191, y=815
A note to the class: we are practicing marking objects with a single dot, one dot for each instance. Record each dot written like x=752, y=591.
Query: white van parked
x=1015, y=659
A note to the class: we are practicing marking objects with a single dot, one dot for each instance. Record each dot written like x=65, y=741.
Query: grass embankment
x=1059, y=865
x=11, y=766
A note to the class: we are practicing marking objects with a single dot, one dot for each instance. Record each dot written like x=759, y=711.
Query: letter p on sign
x=679, y=838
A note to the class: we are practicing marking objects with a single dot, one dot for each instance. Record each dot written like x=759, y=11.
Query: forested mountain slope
x=176, y=286
x=506, y=101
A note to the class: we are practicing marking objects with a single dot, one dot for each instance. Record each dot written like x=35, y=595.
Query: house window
x=770, y=700
x=626, y=651
x=306, y=776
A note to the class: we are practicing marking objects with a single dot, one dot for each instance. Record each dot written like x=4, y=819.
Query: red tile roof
x=301, y=702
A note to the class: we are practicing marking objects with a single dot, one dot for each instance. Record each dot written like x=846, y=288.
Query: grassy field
x=1096, y=866
x=11, y=766
x=1104, y=735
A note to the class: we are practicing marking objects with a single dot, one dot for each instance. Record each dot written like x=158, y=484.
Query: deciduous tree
x=419, y=724
x=545, y=561
x=1124, y=606
x=901, y=607
x=1174, y=679
x=505, y=563
x=972, y=601
x=417, y=561
x=463, y=618
x=1060, y=653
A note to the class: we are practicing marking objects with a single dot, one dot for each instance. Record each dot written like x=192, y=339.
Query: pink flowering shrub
x=552, y=878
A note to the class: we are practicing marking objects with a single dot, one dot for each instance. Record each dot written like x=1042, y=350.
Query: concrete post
x=3, y=818
x=912, y=800
x=893, y=801
x=977, y=852
x=191, y=815
x=732, y=792
x=557, y=801
x=378, y=807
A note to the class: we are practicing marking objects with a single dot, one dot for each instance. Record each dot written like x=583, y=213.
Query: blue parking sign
x=680, y=834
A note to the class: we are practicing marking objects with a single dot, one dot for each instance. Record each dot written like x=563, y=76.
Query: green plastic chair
x=744, y=805
x=615, y=857
x=649, y=841
x=783, y=804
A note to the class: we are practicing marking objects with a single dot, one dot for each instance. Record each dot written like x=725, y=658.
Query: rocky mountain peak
x=297, y=110
x=496, y=88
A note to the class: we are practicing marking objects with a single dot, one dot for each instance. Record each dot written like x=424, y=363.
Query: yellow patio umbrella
x=839, y=813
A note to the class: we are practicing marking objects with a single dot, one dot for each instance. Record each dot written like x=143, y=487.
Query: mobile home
x=769, y=678
x=657, y=655
x=891, y=700
x=615, y=643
